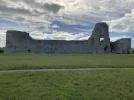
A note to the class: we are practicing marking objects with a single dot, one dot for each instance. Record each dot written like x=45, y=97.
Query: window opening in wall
x=101, y=39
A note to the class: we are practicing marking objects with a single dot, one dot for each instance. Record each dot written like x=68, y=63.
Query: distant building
x=98, y=43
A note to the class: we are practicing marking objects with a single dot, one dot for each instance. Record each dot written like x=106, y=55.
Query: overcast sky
x=66, y=19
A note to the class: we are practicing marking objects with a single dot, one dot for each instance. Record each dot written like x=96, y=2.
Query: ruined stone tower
x=98, y=43
x=99, y=40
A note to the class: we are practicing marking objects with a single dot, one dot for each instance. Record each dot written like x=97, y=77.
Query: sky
x=66, y=19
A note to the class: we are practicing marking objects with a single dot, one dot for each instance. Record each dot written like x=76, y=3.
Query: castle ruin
x=98, y=43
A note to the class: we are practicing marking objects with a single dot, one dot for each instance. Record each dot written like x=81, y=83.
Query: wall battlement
x=98, y=43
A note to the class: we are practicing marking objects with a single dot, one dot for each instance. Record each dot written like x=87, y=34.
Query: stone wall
x=21, y=42
x=98, y=43
x=99, y=40
x=122, y=46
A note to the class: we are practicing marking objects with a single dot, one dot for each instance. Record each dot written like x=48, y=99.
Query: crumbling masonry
x=98, y=43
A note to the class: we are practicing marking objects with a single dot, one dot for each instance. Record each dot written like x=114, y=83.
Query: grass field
x=39, y=61
x=68, y=85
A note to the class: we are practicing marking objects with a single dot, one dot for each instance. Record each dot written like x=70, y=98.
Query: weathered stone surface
x=99, y=40
x=22, y=42
x=98, y=43
x=122, y=46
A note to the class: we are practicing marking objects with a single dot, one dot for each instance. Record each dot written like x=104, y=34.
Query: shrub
x=1, y=50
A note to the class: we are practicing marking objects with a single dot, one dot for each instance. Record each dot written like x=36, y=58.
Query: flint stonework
x=98, y=43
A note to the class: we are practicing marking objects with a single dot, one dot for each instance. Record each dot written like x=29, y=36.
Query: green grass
x=68, y=85
x=39, y=61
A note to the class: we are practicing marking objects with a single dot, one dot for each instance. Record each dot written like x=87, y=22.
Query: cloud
x=85, y=12
x=2, y=38
x=55, y=26
x=113, y=39
x=58, y=35
x=124, y=24
x=38, y=16
x=53, y=7
x=84, y=38
x=18, y=11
